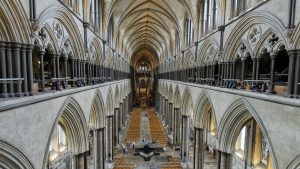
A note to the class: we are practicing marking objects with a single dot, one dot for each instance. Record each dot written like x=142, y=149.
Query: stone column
x=175, y=126
x=29, y=68
x=171, y=118
x=253, y=68
x=78, y=69
x=222, y=74
x=17, y=68
x=227, y=70
x=65, y=64
x=99, y=161
x=243, y=73
x=57, y=66
x=223, y=160
x=42, y=78
x=109, y=137
x=81, y=161
x=83, y=70
x=75, y=67
x=199, y=148
x=257, y=68
x=24, y=70
x=233, y=70
x=53, y=65
x=122, y=115
x=273, y=57
x=297, y=75
x=3, y=92
x=116, y=127
x=185, y=139
x=9, y=68
x=291, y=75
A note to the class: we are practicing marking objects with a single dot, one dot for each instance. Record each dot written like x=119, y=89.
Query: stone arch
x=95, y=44
x=235, y=116
x=248, y=22
x=189, y=58
x=59, y=13
x=166, y=91
x=263, y=45
x=72, y=120
x=295, y=164
x=210, y=43
x=47, y=39
x=97, y=114
x=14, y=23
x=171, y=94
x=296, y=38
x=12, y=158
x=109, y=102
x=177, y=98
x=187, y=106
x=117, y=97
x=202, y=108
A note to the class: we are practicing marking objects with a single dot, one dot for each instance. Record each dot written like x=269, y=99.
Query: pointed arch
x=97, y=115
x=202, y=109
x=177, y=98
x=63, y=16
x=234, y=118
x=206, y=48
x=12, y=158
x=246, y=23
x=171, y=94
x=117, y=97
x=187, y=107
x=72, y=120
x=295, y=164
x=14, y=24
x=109, y=102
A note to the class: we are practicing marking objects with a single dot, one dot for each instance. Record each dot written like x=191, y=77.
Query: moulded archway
x=233, y=120
x=72, y=120
x=97, y=113
x=202, y=108
x=187, y=105
x=12, y=158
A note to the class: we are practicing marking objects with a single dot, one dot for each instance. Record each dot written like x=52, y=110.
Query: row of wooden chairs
x=134, y=128
x=174, y=163
x=120, y=164
x=156, y=129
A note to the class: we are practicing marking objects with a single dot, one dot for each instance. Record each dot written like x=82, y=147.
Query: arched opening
x=187, y=130
x=205, y=149
x=68, y=142
x=251, y=148
x=95, y=155
x=12, y=158
x=243, y=140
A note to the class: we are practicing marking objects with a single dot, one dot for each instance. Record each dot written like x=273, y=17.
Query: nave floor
x=144, y=123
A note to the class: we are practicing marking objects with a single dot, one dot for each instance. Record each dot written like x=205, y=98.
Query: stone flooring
x=168, y=159
x=129, y=160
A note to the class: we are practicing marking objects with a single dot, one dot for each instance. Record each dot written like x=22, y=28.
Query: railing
x=12, y=80
x=262, y=85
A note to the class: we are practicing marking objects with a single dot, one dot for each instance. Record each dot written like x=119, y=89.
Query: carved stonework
x=273, y=39
x=58, y=31
x=42, y=34
x=254, y=35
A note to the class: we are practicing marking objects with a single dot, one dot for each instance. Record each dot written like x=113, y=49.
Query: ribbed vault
x=147, y=30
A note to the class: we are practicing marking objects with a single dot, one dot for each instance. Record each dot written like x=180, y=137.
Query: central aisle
x=144, y=123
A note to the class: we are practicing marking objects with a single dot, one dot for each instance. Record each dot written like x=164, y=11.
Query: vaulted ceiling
x=147, y=30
